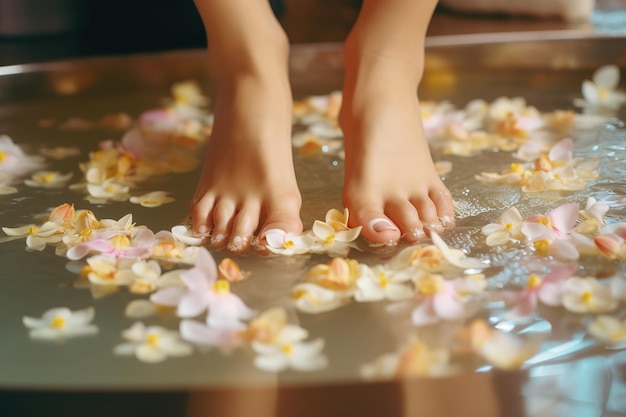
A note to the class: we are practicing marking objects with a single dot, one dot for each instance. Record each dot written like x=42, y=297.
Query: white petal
x=33, y=323
x=273, y=363
x=125, y=349
x=139, y=309
x=81, y=331
x=151, y=354
x=309, y=364
x=292, y=334
x=82, y=317
x=45, y=333
x=170, y=296
x=607, y=77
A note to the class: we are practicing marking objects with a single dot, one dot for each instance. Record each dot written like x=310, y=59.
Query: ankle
x=260, y=57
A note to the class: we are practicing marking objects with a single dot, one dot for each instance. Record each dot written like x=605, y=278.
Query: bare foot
x=248, y=183
x=390, y=187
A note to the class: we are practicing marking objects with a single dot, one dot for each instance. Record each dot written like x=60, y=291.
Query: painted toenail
x=433, y=226
x=418, y=233
x=237, y=244
x=217, y=238
x=447, y=221
x=380, y=224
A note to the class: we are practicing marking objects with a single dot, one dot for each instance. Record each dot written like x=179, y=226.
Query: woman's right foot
x=248, y=184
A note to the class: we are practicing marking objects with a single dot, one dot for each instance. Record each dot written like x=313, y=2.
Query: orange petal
x=230, y=271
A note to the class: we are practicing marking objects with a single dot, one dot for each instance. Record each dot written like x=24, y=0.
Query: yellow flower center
x=289, y=244
x=533, y=281
x=141, y=287
x=545, y=220
x=298, y=293
x=586, y=297
x=383, y=280
x=429, y=285
x=541, y=245
x=508, y=226
x=618, y=334
x=124, y=164
x=221, y=286
x=85, y=271
x=152, y=339
x=48, y=177
x=58, y=322
x=287, y=349
x=120, y=242
x=32, y=230
x=3, y=156
x=329, y=239
x=110, y=188
x=603, y=93
x=516, y=168
x=150, y=201
x=543, y=163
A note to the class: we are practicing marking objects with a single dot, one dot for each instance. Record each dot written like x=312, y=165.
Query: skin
x=248, y=183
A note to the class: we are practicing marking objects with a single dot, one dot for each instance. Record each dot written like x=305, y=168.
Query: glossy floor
x=572, y=376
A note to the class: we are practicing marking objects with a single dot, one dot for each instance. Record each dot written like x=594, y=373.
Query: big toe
x=286, y=217
x=377, y=227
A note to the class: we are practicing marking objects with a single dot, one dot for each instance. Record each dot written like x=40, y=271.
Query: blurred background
x=45, y=30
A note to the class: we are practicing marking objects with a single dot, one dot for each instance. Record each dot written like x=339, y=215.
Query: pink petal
x=564, y=217
x=536, y=231
x=80, y=250
x=563, y=250
x=562, y=151
x=145, y=238
x=525, y=306
x=228, y=306
x=446, y=306
x=170, y=296
x=551, y=293
x=206, y=264
x=198, y=333
x=424, y=314
x=559, y=274
x=192, y=304
x=194, y=279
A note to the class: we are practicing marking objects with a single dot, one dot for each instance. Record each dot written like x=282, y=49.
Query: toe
x=442, y=199
x=283, y=214
x=427, y=212
x=202, y=214
x=377, y=227
x=405, y=216
x=244, y=225
x=223, y=216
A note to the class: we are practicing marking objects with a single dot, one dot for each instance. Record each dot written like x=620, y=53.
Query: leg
x=390, y=185
x=248, y=182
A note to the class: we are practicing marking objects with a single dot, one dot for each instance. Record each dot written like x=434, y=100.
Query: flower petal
x=607, y=77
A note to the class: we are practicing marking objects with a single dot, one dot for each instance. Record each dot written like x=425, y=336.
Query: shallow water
x=31, y=283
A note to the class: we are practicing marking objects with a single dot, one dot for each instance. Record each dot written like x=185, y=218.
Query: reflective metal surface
x=579, y=380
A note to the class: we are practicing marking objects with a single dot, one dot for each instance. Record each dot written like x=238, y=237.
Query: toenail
x=203, y=229
x=433, y=225
x=418, y=233
x=217, y=238
x=447, y=221
x=380, y=224
x=237, y=243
